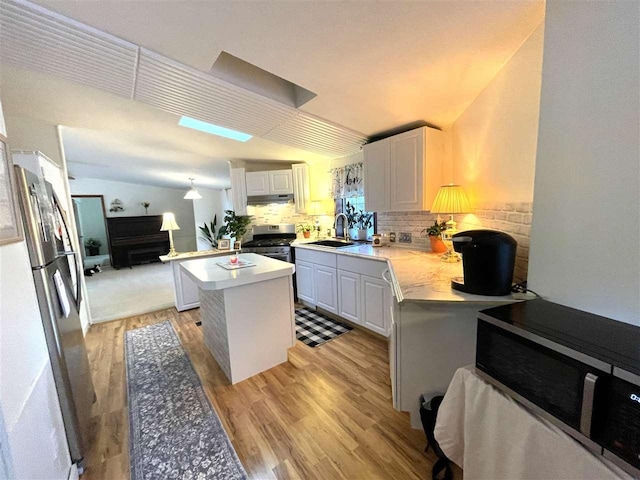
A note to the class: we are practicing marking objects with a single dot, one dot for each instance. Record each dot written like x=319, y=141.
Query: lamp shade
x=169, y=222
x=192, y=193
x=451, y=199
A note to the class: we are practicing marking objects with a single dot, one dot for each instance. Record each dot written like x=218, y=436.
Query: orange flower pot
x=437, y=245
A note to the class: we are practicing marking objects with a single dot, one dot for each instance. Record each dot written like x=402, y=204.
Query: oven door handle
x=588, y=395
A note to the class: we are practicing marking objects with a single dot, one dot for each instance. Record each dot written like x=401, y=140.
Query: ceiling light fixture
x=213, y=129
x=192, y=194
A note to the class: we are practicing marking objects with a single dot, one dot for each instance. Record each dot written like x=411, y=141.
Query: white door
x=376, y=176
x=375, y=304
x=349, y=295
x=238, y=191
x=301, y=192
x=326, y=288
x=257, y=183
x=304, y=281
x=280, y=182
x=407, y=170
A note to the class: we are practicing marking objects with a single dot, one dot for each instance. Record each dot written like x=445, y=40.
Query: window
x=358, y=204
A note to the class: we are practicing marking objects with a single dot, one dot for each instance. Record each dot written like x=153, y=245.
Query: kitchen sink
x=332, y=243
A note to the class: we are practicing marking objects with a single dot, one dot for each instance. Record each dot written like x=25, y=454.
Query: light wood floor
x=326, y=413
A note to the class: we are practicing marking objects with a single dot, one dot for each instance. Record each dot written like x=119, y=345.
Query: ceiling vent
x=34, y=38
x=317, y=135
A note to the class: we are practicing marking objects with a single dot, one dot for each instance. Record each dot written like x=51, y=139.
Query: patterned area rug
x=313, y=328
x=174, y=431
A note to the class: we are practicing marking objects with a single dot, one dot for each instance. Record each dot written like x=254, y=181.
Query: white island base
x=247, y=314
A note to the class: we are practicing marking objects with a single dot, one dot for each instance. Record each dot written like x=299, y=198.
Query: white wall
x=132, y=195
x=28, y=398
x=586, y=223
x=494, y=140
x=213, y=203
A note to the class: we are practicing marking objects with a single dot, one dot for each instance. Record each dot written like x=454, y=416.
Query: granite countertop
x=417, y=275
x=208, y=275
x=201, y=253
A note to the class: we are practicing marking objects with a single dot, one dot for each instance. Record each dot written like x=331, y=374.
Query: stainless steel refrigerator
x=56, y=273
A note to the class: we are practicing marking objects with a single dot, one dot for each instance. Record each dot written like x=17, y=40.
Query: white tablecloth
x=491, y=436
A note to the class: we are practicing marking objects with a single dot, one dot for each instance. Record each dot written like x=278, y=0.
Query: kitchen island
x=247, y=314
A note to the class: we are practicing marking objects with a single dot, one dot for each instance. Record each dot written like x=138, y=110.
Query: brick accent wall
x=511, y=218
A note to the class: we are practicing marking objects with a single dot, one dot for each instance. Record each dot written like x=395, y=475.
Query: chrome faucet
x=345, y=224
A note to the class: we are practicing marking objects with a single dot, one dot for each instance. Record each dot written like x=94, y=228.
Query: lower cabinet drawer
x=372, y=268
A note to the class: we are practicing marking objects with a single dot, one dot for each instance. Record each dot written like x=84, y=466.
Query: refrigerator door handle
x=34, y=196
x=79, y=272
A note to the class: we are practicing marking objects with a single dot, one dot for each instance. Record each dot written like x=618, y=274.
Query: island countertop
x=214, y=252
x=208, y=275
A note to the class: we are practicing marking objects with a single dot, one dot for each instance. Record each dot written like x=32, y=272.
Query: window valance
x=347, y=181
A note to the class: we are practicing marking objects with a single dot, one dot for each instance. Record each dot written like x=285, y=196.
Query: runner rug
x=174, y=431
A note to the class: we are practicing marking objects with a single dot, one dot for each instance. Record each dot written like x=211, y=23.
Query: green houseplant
x=236, y=226
x=305, y=229
x=92, y=246
x=435, y=236
x=209, y=232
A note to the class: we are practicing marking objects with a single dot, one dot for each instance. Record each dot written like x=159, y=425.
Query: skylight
x=213, y=129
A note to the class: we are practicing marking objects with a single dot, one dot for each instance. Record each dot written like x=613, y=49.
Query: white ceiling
x=374, y=67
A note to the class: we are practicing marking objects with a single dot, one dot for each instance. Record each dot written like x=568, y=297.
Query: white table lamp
x=450, y=200
x=169, y=225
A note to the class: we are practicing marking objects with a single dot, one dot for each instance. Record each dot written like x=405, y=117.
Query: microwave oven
x=578, y=370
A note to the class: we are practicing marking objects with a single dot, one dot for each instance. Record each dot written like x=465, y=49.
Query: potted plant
x=352, y=220
x=364, y=223
x=209, y=232
x=235, y=226
x=146, y=206
x=92, y=246
x=435, y=236
x=305, y=229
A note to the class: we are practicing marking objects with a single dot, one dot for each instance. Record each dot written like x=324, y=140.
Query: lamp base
x=450, y=257
x=172, y=253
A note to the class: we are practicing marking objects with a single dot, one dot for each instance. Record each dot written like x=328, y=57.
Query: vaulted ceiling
x=374, y=66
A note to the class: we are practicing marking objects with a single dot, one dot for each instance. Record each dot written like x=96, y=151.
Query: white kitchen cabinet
x=280, y=182
x=257, y=183
x=275, y=182
x=375, y=296
x=301, y=189
x=377, y=165
x=326, y=288
x=349, y=296
x=186, y=291
x=403, y=172
x=239, y=191
x=304, y=281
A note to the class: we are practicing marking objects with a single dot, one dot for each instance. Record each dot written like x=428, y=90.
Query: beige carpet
x=115, y=294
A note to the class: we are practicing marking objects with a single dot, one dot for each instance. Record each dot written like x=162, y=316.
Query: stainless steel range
x=272, y=241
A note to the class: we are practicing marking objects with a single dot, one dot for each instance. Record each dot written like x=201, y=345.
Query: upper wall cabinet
x=257, y=183
x=377, y=165
x=403, y=172
x=239, y=191
x=274, y=182
x=301, y=190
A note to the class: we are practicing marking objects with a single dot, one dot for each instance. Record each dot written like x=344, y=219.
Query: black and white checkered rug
x=314, y=329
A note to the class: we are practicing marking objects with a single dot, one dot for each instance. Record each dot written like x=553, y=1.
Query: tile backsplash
x=283, y=213
x=511, y=218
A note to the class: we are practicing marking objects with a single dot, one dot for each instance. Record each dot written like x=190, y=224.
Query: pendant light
x=192, y=194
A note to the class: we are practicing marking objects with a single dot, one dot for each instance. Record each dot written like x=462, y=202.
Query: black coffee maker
x=488, y=258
